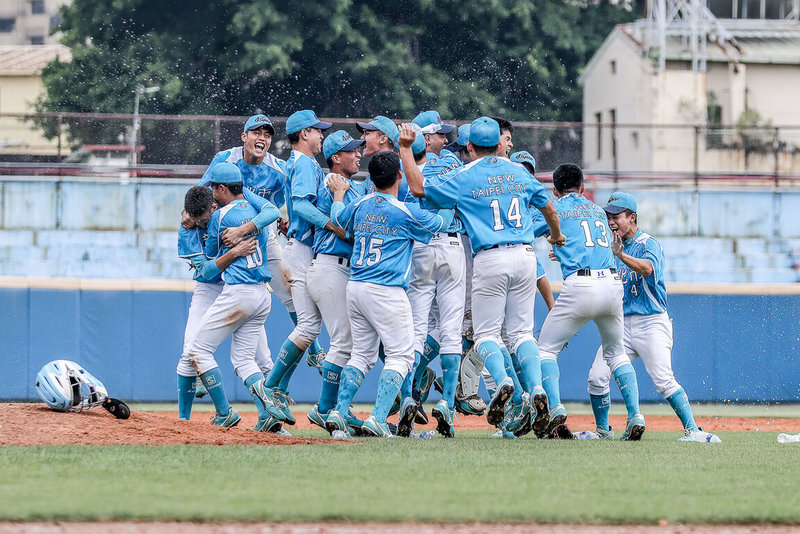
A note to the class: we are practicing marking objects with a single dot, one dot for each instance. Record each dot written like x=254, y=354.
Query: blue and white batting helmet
x=66, y=386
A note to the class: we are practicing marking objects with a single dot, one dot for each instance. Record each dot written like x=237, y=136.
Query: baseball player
x=592, y=291
x=506, y=129
x=263, y=174
x=384, y=230
x=303, y=177
x=647, y=326
x=329, y=271
x=378, y=135
x=241, y=307
x=493, y=196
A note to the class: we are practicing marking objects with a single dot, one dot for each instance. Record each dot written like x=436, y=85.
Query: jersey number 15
x=374, y=250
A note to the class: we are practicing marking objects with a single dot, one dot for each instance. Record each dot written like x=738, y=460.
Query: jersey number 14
x=513, y=214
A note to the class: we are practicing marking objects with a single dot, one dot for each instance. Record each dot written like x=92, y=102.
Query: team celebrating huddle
x=429, y=256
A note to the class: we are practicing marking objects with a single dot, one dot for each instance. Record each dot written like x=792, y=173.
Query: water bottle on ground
x=585, y=434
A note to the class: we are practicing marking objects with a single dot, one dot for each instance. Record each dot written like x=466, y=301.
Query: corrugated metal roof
x=27, y=59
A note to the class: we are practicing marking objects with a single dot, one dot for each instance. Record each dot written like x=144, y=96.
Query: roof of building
x=30, y=59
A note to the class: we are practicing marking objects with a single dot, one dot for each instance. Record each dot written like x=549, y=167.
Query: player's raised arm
x=412, y=172
x=551, y=217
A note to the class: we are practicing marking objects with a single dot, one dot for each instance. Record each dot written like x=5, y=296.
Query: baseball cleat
x=421, y=418
x=267, y=396
x=395, y=405
x=444, y=419
x=408, y=412
x=283, y=432
x=472, y=405
x=353, y=423
x=541, y=407
x=517, y=415
x=558, y=416
x=200, y=390
x=497, y=406
x=634, y=429
x=373, y=427
x=604, y=434
x=335, y=421
x=228, y=420
x=425, y=384
x=268, y=424
x=284, y=401
x=315, y=417
x=562, y=431
x=315, y=360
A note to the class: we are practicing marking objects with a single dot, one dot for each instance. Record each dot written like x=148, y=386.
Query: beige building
x=20, y=85
x=753, y=82
x=29, y=22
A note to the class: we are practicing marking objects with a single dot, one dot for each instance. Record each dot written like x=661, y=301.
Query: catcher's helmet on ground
x=67, y=387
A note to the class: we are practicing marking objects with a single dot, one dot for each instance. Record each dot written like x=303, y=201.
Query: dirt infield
x=98, y=427
x=383, y=528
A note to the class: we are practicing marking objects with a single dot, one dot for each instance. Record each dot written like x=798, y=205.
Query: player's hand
x=341, y=233
x=244, y=247
x=616, y=245
x=186, y=221
x=552, y=255
x=283, y=226
x=233, y=236
x=407, y=136
x=557, y=240
x=337, y=185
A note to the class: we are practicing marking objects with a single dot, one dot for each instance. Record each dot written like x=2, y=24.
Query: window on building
x=613, y=65
x=612, y=114
x=714, y=135
x=37, y=40
x=598, y=118
x=37, y=7
x=6, y=25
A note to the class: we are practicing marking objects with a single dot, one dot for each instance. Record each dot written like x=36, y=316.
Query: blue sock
x=492, y=359
x=550, y=375
x=289, y=356
x=330, y=386
x=315, y=347
x=466, y=344
x=212, y=380
x=349, y=381
x=530, y=365
x=601, y=404
x=625, y=376
x=450, y=363
x=186, y=390
x=516, y=398
x=388, y=386
x=381, y=353
x=287, y=377
x=406, y=389
x=249, y=381
x=680, y=403
x=429, y=353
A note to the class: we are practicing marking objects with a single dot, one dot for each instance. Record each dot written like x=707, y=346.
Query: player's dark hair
x=504, y=124
x=383, y=169
x=329, y=162
x=235, y=189
x=629, y=212
x=528, y=165
x=198, y=201
x=294, y=137
x=419, y=156
x=485, y=150
x=567, y=177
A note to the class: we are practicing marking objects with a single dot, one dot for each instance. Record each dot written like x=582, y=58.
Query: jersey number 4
x=587, y=232
x=374, y=250
x=513, y=215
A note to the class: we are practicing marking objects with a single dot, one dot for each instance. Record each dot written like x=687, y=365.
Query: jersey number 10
x=255, y=259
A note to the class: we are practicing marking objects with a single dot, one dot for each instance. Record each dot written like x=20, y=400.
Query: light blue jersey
x=644, y=295
x=325, y=241
x=191, y=246
x=493, y=198
x=384, y=230
x=435, y=168
x=303, y=178
x=267, y=179
x=251, y=269
x=589, y=238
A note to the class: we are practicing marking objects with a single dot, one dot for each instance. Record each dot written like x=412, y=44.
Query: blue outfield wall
x=728, y=347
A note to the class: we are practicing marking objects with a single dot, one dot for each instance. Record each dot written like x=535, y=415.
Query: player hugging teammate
x=431, y=255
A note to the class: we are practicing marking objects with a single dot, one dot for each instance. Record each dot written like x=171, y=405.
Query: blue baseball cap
x=259, y=121
x=385, y=125
x=523, y=157
x=484, y=132
x=419, y=144
x=224, y=173
x=300, y=120
x=340, y=141
x=463, y=135
x=431, y=123
x=620, y=201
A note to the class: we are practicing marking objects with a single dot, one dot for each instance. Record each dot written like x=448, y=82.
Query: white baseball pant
x=297, y=257
x=437, y=273
x=240, y=309
x=644, y=336
x=327, y=285
x=281, y=282
x=380, y=314
x=203, y=297
x=598, y=298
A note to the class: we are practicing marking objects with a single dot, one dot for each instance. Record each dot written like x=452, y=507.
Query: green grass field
x=749, y=478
